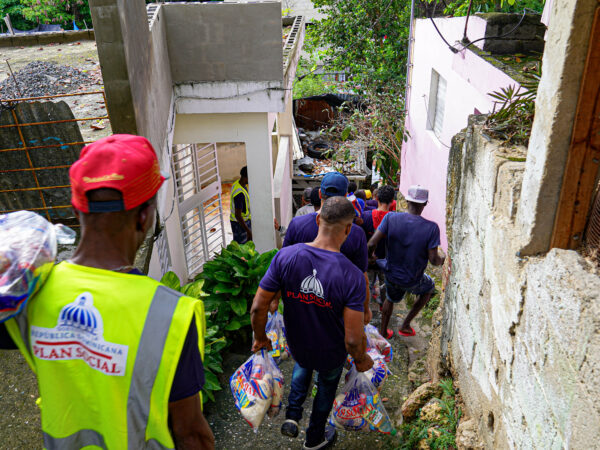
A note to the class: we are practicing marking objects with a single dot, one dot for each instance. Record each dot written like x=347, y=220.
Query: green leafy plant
x=514, y=109
x=227, y=286
x=439, y=434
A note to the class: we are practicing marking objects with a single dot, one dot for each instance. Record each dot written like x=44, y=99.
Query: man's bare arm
x=258, y=316
x=436, y=257
x=356, y=340
x=368, y=315
x=372, y=244
x=190, y=428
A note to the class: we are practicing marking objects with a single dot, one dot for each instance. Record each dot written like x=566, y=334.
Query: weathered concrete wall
x=225, y=41
x=43, y=38
x=54, y=135
x=523, y=334
x=135, y=68
x=232, y=157
x=562, y=65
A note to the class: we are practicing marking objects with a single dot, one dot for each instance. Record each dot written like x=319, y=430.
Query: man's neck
x=327, y=241
x=103, y=252
x=383, y=207
x=413, y=211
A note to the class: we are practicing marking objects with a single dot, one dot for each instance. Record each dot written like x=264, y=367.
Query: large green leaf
x=170, y=279
x=222, y=288
x=223, y=276
x=233, y=325
x=239, y=305
x=194, y=289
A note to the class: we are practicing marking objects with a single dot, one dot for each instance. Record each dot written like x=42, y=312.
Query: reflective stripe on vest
x=236, y=189
x=146, y=366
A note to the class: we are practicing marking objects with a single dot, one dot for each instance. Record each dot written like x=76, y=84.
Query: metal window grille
x=164, y=255
x=592, y=232
x=437, y=103
x=200, y=207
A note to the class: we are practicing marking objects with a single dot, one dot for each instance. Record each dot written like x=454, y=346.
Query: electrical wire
x=494, y=37
x=452, y=49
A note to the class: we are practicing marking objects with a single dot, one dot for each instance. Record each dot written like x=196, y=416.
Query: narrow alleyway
x=232, y=432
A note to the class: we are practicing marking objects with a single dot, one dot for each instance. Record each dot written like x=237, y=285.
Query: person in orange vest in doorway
x=240, y=217
x=117, y=355
x=411, y=241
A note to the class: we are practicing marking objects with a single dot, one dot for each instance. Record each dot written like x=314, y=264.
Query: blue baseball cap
x=334, y=184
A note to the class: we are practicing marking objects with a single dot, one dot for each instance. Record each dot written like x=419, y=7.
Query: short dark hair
x=315, y=200
x=386, y=194
x=306, y=194
x=361, y=194
x=337, y=210
x=244, y=172
x=352, y=186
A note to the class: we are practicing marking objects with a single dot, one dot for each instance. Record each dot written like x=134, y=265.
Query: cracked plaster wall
x=523, y=335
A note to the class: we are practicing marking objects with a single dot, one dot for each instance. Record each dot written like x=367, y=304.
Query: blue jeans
x=327, y=384
x=239, y=233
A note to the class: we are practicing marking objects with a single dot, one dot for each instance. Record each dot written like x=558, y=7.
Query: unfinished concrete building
x=521, y=317
x=188, y=76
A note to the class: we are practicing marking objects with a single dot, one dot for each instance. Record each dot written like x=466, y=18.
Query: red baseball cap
x=123, y=162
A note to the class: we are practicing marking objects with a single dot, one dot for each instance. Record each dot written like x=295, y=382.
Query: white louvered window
x=437, y=103
x=199, y=199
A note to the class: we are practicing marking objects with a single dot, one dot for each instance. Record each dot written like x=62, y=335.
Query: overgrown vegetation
x=368, y=41
x=227, y=286
x=460, y=7
x=514, y=110
x=308, y=83
x=439, y=433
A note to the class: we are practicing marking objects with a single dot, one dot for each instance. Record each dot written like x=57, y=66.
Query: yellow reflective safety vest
x=105, y=346
x=237, y=188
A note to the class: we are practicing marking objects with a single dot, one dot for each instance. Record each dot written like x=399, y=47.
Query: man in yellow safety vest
x=240, y=216
x=117, y=355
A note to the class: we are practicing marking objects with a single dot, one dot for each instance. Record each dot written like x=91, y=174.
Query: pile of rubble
x=41, y=78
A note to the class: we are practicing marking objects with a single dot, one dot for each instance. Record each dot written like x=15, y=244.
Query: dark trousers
x=327, y=384
x=239, y=233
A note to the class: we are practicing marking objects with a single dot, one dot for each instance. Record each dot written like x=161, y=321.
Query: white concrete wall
x=254, y=130
x=524, y=334
x=232, y=157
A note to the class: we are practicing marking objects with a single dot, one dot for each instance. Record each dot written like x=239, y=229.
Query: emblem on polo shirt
x=79, y=335
x=312, y=285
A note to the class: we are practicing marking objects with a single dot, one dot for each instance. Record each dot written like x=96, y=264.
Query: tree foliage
x=368, y=39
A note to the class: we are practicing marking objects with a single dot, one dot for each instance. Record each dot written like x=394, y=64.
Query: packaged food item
x=376, y=340
x=257, y=387
x=378, y=373
x=276, y=333
x=27, y=253
x=359, y=408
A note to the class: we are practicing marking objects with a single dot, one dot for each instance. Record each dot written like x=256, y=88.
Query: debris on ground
x=41, y=78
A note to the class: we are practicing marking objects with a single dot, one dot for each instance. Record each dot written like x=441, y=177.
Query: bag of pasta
x=359, y=407
x=27, y=253
x=377, y=341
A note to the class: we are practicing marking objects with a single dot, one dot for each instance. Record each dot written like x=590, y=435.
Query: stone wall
x=522, y=334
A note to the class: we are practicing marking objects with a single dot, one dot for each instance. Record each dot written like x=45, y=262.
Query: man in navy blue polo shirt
x=305, y=229
x=412, y=241
x=323, y=295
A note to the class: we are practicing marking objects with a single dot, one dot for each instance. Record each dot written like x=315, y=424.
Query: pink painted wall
x=469, y=79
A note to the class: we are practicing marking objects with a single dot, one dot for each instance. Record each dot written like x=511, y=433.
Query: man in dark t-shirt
x=305, y=229
x=412, y=241
x=371, y=221
x=323, y=294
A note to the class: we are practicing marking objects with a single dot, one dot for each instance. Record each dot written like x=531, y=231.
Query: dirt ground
x=82, y=55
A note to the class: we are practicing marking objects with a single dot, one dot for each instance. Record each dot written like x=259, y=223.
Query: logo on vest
x=79, y=335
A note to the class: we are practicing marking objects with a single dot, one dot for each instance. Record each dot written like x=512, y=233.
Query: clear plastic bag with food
x=257, y=388
x=275, y=330
x=359, y=407
x=27, y=253
x=377, y=341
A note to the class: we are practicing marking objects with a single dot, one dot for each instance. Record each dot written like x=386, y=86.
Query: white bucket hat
x=417, y=194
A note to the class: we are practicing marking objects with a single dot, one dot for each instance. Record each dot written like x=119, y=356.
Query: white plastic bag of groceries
x=376, y=374
x=275, y=330
x=27, y=254
x=359, y=408
x=257, y=388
